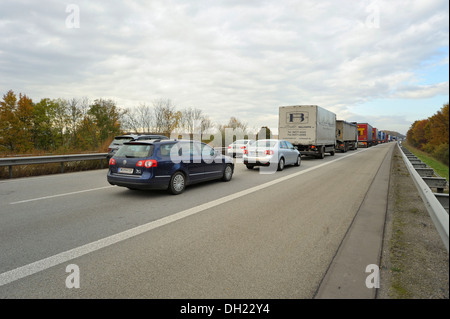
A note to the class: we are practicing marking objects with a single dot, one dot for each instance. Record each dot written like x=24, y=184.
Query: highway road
x=257, y=236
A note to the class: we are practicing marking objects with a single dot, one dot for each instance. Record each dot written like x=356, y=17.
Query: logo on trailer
x=297, y=117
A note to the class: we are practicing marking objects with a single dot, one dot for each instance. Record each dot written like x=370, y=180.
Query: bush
x=428, y=148
x=441, y=153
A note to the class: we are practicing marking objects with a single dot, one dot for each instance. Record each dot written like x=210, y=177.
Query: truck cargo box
x=309, y=127
x=346, y=136
x=374, y=136
x=365, y=134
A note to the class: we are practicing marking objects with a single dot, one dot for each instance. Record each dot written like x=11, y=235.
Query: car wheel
x=177, y=183
x=299, y=160
x=227, y=173
x=281, y=164
x=249, y=166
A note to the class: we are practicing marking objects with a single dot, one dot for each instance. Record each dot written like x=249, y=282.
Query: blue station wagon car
x=167, y=164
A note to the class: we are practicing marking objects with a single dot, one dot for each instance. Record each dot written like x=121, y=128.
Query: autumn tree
x=432, y=135
x=167, y=118
x=139, y=119
x=8, y=121
x=16, y=122
x=45, y=135
x=417, y=133
x=264, y=133
x=105, y=117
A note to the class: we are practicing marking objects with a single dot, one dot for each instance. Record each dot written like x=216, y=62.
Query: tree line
x=432, y=135
x=74, y=125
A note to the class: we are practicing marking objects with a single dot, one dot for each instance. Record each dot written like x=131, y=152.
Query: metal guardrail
x=29, y=160
x=10, y=162
x=437, y=212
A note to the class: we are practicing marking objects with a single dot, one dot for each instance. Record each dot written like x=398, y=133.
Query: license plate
x=260, y=154
x=125, y=170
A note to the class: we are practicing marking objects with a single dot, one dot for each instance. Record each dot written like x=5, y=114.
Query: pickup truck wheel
x=281, y=164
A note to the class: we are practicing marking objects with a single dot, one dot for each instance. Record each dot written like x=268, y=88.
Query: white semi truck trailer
x=310, y=128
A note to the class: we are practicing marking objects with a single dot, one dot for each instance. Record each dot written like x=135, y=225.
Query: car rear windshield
x=135, y=150
x=241, y=142
x=265, y=143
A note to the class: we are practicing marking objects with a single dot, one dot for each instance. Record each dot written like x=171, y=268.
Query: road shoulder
x=414, y=261
x=361, y=247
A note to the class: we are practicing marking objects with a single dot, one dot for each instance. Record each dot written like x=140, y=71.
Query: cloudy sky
x=382, y=62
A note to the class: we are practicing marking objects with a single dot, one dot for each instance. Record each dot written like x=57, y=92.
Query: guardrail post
x=10, y=171
x=62, y=167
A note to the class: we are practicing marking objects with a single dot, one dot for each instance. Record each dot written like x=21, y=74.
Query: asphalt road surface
x=257, y=236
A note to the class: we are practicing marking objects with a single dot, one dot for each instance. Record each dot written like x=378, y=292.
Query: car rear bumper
x=259, y=161
x=138, y=182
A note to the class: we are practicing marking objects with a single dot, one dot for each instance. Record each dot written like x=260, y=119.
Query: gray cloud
x=229, y=58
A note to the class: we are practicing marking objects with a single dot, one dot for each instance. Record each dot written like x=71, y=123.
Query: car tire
x=299, y=161
x=227, y=173
x=281, y=164
x=249, y=166
x=177, y=183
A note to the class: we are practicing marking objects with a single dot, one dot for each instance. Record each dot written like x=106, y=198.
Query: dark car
x=151, y=137
x=167, y=164
x=118, y=142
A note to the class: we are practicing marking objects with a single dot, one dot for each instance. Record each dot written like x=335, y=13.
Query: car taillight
x=109, y=149
x=229, y=147
x=112, y=161
x=147, y=163
x=243, y=147
x=269, y=152
x=150, y=163
x=246, y=152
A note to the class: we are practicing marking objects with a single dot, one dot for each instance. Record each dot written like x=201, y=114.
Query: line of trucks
x=315, y=131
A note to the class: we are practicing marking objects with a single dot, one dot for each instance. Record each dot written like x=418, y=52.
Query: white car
x=276, y=153
x=237, y=148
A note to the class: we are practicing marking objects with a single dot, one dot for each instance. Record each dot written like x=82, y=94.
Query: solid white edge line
x=59, y=195
x=43, y=264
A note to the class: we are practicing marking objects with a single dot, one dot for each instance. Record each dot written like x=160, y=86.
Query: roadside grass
x=440, y=168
